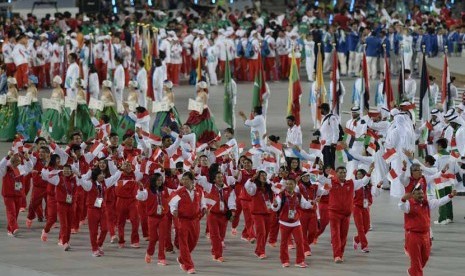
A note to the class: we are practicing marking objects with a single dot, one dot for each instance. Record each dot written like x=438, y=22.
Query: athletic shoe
x=146, y=238
x=114, y=239
x=100, y=250
x=355, y=244
x=315, y=240
x=66, y=247
x=220, y=259
x=96, y=254
x=261, y=257
x=74, y=231
x=43, y=237
x=291, y=246
x=148, y=258
x=285, y=264
x=60, y=243
x=273, y=244
x=120, y=245
x=338, y=260
x=252, y=240
x=449, y=221
x=135, y=245
x=183, y=267
x=28, y=223
x=191, y=271
x=207, y=235
x=15, y=232
x=308, y=253
x=22, y=209
x=162, y=262
x=234, y=231
x=244, y=239
x=365, y=250
x=302, y=265
x=10, y=234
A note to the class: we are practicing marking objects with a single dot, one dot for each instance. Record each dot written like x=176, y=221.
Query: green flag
x=228, y=110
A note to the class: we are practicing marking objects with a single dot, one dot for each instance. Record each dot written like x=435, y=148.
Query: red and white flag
x=223, y=150
x=389, y=155
x=392, y=175
x=371, y=149
x=96, y=148
x=151, y=138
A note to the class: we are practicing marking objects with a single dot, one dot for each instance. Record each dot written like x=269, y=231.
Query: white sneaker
x=66, y=247
x=449, y=221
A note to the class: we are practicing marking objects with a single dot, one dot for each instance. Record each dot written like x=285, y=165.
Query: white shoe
x=449, y=221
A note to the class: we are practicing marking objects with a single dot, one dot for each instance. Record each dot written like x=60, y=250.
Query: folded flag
x=389, y=155
x=223, y=150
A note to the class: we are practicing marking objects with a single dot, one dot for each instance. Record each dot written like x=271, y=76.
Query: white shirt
x=20, y=55
x=410, y=89
x=141, y=79
x=257, y=127
x=294, y=136
x=329, y=129
x=72, y=74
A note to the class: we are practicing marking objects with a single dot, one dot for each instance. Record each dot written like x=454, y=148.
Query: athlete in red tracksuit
x=12, y=172
x=417, y=208
x=126, y=203
x=188, y=205
x=221, y=201
x=260, y=206
x=308, y=217
x=156, y=197
x=274, y=221
x=96, y=189
x=172, y=183
x=288, y=205
x=248, y=233
x=362, y=201
x=65, y=191
x=341, y=201
x=39, y=188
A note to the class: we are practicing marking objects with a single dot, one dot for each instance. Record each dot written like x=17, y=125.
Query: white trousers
x=343, y=62
x=310, y=67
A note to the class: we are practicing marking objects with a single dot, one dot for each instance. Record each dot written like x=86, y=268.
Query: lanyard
x=66, y=186
x=100, y=189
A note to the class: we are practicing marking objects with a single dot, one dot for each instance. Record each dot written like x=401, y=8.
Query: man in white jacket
x=141, y=79
x=72, y=75
x=119, y=81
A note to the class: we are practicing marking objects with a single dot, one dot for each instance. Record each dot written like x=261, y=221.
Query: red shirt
x=187, y=208
x=127, y=186
x=154, y=199
x=289, y=202
x=309, y=192
x=8, y=184
x=341, y=197
x=67, y=185
x=418, y=218
x=99, y=190
x=361, y=194
x=259, y=200
x=220, y=195
x=240, y=189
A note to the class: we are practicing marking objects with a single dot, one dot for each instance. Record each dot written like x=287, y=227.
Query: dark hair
x=258, y=110
x=290, y=117
x=53, y=160
x=77, y=133
x=153, y=183
x=430, y=159
x=140, y=109
x=165, y=137
x=127, y=135
x=75, y=148
x=141, y=63
x=73, y=56
x=341, y=168
x=188, y=175
x=113, y=134
x=40, y=139
x=95, y=173
x=230, y=130
x=158, y=62
x=325, y=107
x=45, y=148
x=442, y=142
x=105, y=118
x=273, y=138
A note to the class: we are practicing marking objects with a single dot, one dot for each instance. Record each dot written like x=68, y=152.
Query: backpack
x=341, y=130
x=240, y=49
x=249, y=51
x=265, y=48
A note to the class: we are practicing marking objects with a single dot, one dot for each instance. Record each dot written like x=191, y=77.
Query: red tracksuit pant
x=189, y=231
x=47, y=80
x=169, y=229
x=217, y=224
x=12, y=205
x=324, y=217
x=142, y=210
x=51, y=212
x=274, y=228
x=80, y=208
x=111, y=217
x=235, y=221
x=157, y=232
x=285, y=66
x=248, y=231
x=362, y=223
x=254, y=66
x=173, y=72
x=339, y=229
x=270, y=68
x=65, y=214
x=10, y=69
x=97, y=217
x=38, y=195
x=309, y=222
x=126, y=208
x=286, y=233
x=39, y=72
x=418, y=246
x=21, y=75
x=262, y=229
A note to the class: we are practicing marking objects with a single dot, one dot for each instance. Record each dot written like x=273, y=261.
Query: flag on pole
x=445, y=88
x=336, y=92
x=387, y=87
x=229, y=96
x=198, y=71
x=320, y=83
x=401, y=85
x=294, y=91
x=259, y=87
x=365, y=84
x=425, y=93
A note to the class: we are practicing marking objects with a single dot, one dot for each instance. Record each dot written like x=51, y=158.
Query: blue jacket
x=352, y=41
x=373, y=45
x=428, y=41
x=397, y=39
x=327, y=42
x=341, y=43
x=453, y=39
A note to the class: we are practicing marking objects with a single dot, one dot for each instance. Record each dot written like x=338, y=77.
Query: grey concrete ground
x=28, y=255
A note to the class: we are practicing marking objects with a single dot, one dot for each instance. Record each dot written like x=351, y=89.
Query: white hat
x=87, y=37
x=450, y=113
x=355, y=109
x=394, y=112
x=435, y=111
x=384, y=112
x=73, y=34
x=29, y=34
x=240, y=33
x=268, y=30
x=168, y=84
x=12, y=80
x=107, y=83
x=134, y=84
x=52, y=18
x=202, y=32
x=57, y=80
x=44, y=35
x=230, y=29
x=202, y=85
x=221, y=31
x=86, y=18
x=195, y=31
x=461, y=106
x=291, y=34
x=179, y=19
x=171, y=33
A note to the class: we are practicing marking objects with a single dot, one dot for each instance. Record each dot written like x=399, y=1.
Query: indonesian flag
x=201, y=147
x=314, y=148
x=389, y=155
x=392, y=175
x=17, y=144
x=223, y=150
x=145, y=166
x=96, y=148
x=445, y=87
x=276, y=146
x=187, y=165
x=142, y=118
x=371, y=149
x=209, y=202
x=241, y=147
x=294, y=91
x=155, y=154
x=306, y=166
x=151, y=138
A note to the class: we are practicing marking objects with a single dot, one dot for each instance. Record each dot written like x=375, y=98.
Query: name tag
x=221, y=206
x=291, y=214
x=268, y=204
x=98, y=202
x=365, y=203
x=159, y=209
x=18, y=186
x=69, y=199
